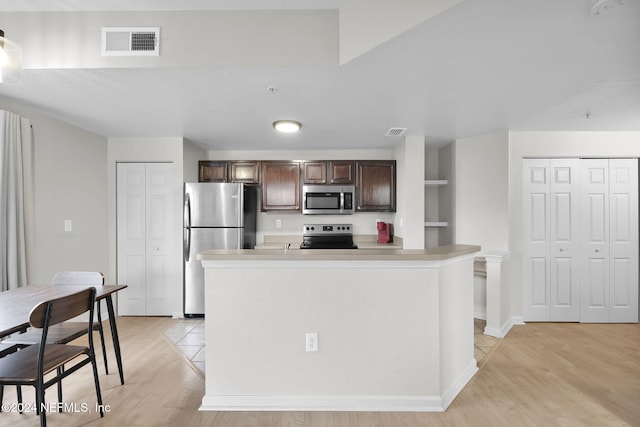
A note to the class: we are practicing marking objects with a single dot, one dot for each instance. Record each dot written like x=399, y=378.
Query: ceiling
x=482, y=66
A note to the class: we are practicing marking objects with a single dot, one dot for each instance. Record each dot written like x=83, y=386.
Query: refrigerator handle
x=187, y=227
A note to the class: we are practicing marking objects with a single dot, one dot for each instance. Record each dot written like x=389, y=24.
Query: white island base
x=394, y=328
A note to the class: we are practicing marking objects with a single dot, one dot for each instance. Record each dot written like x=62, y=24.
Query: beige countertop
x=435, y=254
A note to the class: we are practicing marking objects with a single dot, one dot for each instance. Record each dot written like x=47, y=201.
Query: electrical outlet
x=312, y=341
x=278, y=223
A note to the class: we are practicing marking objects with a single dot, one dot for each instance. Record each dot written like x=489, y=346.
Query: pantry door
x=145, y=236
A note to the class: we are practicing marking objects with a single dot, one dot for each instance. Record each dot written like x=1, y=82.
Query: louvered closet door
x=551, y=240
x=609, y=289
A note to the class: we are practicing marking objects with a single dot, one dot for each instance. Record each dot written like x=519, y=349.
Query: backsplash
x=292, y=222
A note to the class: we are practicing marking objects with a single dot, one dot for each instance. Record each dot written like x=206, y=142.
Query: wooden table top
x=16, y=304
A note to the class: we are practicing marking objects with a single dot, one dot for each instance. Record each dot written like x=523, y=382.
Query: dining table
x=16, y=305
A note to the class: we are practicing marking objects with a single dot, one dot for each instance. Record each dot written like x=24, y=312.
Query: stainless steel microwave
x=327, y=199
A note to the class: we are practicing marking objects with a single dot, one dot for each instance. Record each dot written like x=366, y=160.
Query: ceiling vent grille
x=128, y=41
x=396, y=131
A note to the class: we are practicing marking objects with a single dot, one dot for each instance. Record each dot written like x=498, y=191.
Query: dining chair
x=29, y=365
x=68, y=331
x=5, y=350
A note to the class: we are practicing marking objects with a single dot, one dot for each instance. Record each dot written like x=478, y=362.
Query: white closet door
x=623, y=232
x=131, y=247
x=564, y=248
x=145, y=230
x=609, y=288
x=536, y=235
x=551, y=240
x=160, y=281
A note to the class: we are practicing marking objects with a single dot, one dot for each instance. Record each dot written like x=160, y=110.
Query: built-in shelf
x=435, y=182
x=436, y=224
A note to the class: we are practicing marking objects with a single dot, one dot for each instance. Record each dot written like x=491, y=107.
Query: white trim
x=481, y=316
x=505, y=328
x=323, y=403
x=457, y=386
x=342, y=403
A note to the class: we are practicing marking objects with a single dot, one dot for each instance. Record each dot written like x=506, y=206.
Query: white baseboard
x=342, y=403
x=481, y=316
x=323, y=403
x=505, y=328
x=457, y=386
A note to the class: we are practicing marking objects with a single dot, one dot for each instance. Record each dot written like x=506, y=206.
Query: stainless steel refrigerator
x=216, y=216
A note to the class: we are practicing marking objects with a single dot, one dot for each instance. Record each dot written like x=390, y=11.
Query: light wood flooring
x=539, y=375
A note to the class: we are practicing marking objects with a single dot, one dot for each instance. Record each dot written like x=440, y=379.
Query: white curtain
x=16, y=195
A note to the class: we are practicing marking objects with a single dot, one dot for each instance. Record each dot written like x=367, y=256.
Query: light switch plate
x=68, y=225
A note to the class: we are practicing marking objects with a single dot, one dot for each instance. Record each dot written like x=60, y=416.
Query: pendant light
x=10, y=60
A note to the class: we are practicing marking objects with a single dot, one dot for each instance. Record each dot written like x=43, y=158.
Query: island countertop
x=440, y=253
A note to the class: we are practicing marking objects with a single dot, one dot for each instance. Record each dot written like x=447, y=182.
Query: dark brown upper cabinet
x=212, y=171
x=328, y=172
x=314, y=172
x=280, y=185
x=376, y=185
x=245, y=171
x=341, y=171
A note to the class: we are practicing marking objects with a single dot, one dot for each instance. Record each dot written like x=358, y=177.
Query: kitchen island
x=394, y=328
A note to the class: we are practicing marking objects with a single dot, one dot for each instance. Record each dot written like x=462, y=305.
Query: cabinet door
x=376, y=186
x=314, y=172
x=280, y=186
x=247, y=172
x=212, y=171
x=341, y=171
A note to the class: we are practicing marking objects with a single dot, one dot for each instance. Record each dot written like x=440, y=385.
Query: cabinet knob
x=597, y=250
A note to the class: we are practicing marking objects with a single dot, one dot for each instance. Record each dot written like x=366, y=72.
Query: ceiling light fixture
x=601, y=6
x=10, y=60
x=287, y=126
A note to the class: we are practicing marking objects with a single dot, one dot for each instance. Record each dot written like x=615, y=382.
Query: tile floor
x=188, y=336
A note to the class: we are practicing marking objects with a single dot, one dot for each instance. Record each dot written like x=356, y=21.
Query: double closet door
x=145, y=239
x=580, y=240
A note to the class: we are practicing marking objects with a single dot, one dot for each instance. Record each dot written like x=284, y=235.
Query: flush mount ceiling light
x=287, y=126
x=10, y=60
x=601, y=6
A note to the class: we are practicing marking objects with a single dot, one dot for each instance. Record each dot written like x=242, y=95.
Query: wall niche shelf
x=436, y=224
x=435, y=182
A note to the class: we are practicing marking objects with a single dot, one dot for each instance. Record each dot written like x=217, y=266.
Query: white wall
x=292, y=222
x=148, y=150
x=227, y=38
x=70, y=182
x=365, y=24
x=410, y=165
x=552, y=144
x=482, y=191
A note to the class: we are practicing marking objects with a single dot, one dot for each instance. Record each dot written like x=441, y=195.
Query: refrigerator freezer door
x=198, y=240
x=213, y=204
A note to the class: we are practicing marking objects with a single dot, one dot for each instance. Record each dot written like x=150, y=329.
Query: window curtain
x=16, y=195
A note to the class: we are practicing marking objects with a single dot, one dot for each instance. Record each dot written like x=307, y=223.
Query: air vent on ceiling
x=395, y=131
x=128, y=41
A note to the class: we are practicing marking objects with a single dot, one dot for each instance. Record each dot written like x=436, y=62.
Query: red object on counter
x=385, y=233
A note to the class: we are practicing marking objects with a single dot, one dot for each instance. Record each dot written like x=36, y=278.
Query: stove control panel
x=327, y=229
